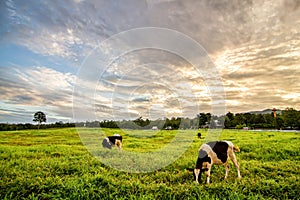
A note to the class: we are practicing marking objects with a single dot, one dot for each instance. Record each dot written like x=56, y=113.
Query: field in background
x=53, y=163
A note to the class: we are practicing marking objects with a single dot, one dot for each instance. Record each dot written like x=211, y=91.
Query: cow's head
x=202, y=165
x=197, y=173
x=236, y=149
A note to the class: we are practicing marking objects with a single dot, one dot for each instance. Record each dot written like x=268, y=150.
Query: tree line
x=140, y=123
x=25, y=126
x=285, y=119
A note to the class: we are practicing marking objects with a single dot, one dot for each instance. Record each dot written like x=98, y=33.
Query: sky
x=91, y=59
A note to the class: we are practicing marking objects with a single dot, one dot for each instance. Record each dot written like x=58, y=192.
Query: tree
x=259, y=119
x=141, y=122
x=269, y=118
x=203, y=119
x=240, y=119
x=291, y=117
x=39, y=117
x=230, y=116
x=279, y=122
x=227, y=122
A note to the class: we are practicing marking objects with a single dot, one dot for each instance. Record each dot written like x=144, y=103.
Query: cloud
x=37, y=88
x=261, y=74
x=73, y=27
x=132, y=87
x=253, y=44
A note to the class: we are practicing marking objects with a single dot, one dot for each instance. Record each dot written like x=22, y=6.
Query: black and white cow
x=215, y=153
x=199, y=135
x=110, y=141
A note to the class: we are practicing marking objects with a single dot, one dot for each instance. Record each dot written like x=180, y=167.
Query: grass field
x=54, y=164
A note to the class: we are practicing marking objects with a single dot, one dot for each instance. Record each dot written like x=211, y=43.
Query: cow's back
x=217, y=151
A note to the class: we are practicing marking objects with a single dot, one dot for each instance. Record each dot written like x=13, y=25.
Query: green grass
x=54, y=164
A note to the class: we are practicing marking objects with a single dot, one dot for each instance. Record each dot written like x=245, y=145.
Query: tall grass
x=53, y=164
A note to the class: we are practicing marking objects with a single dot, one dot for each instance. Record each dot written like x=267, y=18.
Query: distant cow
x=215, y=153
x=199, y=135
x=110, y=141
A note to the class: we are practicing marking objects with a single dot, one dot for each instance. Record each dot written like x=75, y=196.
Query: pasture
x=54, y=164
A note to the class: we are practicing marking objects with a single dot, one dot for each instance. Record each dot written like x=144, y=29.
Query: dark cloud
x=141, y=99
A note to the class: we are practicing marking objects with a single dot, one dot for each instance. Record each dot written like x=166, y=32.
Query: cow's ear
x=190, y=169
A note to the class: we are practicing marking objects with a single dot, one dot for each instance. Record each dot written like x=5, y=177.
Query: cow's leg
x=119, y=144
x=207, y=173
x=233, y=158
x=197, y=172
x=227, y=169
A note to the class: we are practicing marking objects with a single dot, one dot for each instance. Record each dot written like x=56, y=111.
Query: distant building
x=213, y=124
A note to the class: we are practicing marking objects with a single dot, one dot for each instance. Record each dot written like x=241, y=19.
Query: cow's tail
x=119, y=144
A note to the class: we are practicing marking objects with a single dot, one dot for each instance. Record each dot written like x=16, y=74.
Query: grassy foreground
x=54, y=164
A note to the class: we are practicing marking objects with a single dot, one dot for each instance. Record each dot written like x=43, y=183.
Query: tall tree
x=230, y=116
x=203, y=119
x=227, y=122
x=39, y=117
x=291, y=117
